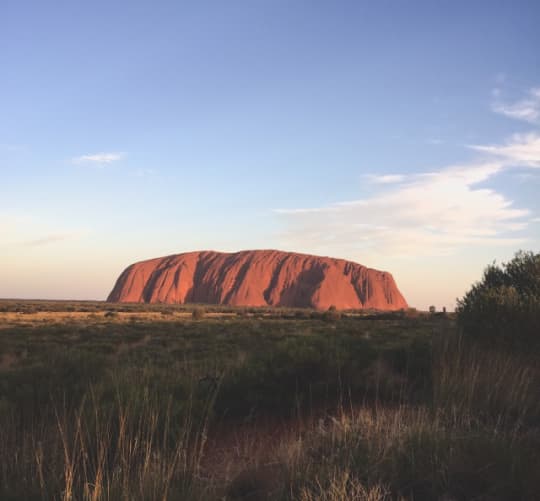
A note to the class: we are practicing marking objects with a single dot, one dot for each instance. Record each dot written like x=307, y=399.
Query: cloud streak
x=48, y=239
x=386, y=178
x=527, y=109
x=520, y=150
x=424, y=214
x=98, y=158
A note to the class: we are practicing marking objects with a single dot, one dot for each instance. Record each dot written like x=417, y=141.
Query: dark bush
x=504, y=307
x=332, y=314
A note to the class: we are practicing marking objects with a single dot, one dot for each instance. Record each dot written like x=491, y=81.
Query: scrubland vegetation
x=144, y=402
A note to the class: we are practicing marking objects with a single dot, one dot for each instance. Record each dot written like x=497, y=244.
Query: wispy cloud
x=425, y=214
x=385, y=178
x=48, y=239
x=521, y=149
x=26, y=231
x=527, y=108
x=98, y=158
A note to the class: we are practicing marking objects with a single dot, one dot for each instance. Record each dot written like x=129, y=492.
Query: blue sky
x=402, y=135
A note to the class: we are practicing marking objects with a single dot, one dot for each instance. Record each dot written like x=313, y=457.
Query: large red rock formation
x=257, y=278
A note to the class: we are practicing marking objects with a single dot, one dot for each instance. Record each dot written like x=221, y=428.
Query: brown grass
x=465, y=427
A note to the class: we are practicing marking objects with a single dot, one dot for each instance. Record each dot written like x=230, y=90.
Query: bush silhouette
x=332, y=314
x=504, y=307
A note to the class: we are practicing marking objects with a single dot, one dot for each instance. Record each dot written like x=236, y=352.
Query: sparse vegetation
x=259, y=404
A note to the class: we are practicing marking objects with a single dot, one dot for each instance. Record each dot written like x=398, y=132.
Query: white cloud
x=386, y=178
x=521, y=149
x=430, y=214
x=98, y=158
x=527, y=109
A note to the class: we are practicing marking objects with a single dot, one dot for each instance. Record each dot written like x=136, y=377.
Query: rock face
x=257, y=278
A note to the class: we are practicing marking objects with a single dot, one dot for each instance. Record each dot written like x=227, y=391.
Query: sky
x=401, y=135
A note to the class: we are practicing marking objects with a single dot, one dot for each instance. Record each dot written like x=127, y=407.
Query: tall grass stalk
x=127, y=450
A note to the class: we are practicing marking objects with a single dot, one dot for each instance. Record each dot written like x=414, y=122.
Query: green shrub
x=504, y=307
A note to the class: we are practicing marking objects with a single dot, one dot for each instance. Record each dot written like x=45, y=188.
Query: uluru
x=257, y=278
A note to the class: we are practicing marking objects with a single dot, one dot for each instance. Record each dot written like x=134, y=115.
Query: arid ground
x=103, y=401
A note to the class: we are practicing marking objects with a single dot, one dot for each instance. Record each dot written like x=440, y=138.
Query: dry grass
x=471, y=380
x=141, y=405
x=130, y=451
x=344, y=486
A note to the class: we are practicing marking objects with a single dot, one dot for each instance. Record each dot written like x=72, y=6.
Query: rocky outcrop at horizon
x=257, y=278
